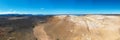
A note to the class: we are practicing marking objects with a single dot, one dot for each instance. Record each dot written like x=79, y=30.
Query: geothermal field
x=59, y=27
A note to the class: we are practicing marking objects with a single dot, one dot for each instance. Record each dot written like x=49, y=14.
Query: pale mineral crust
x=70, y=27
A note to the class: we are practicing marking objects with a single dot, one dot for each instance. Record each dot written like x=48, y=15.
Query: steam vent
x=60, y=27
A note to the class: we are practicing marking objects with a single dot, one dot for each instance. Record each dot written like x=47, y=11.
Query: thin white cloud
x=7, y=12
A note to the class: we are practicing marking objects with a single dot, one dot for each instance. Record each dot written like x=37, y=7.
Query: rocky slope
x=19, y=27
x=60, y=27
x=69, y=27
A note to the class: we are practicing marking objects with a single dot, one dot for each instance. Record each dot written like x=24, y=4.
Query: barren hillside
x=89, y=27
x=60, y=27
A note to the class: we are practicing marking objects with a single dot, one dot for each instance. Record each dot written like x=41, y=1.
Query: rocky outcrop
x=89, y=27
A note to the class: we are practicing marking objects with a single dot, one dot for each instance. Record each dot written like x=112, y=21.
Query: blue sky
x=59, y=6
